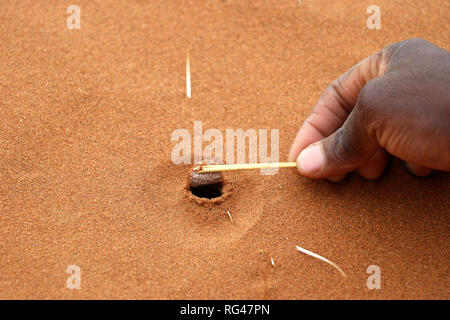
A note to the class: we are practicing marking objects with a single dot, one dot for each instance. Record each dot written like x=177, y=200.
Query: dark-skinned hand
x=395, y=102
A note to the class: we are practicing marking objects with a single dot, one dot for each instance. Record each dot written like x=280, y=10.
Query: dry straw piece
x=312, y=254
x=188, y=73
x=229, y=215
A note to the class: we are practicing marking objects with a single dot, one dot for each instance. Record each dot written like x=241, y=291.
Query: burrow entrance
x=207, y=188
x=208, y=192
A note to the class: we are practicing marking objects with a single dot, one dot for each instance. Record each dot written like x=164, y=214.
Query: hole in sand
x=207, y=188
x=209, y=191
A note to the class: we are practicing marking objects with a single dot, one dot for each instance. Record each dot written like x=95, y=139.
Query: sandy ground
x=85, y=171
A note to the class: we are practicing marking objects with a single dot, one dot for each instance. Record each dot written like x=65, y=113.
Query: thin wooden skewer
x=243, y=166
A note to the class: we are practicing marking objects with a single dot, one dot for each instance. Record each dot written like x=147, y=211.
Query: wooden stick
x=243, y=166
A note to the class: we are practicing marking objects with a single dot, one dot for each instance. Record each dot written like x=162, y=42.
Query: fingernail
x=311, y=160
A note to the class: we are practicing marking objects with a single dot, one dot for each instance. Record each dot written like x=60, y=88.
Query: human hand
x=395, y=102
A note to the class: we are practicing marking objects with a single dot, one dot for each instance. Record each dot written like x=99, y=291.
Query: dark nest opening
x=210, y=191
x=207, y=188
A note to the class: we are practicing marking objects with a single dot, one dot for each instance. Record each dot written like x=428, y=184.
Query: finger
x=337, y=101
x=349, y=147
x=418, y=171
x=337, y=178
x=372, y=169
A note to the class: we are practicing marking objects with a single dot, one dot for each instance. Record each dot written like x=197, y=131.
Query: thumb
x=346, y=149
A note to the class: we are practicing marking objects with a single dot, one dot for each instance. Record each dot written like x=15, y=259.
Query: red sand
x=85, y=171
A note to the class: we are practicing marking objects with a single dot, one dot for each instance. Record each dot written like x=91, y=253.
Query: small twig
x=312, y=254
x=188, y=72
x=229, y=215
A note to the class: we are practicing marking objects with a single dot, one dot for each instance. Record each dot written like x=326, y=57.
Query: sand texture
x=86, y=176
